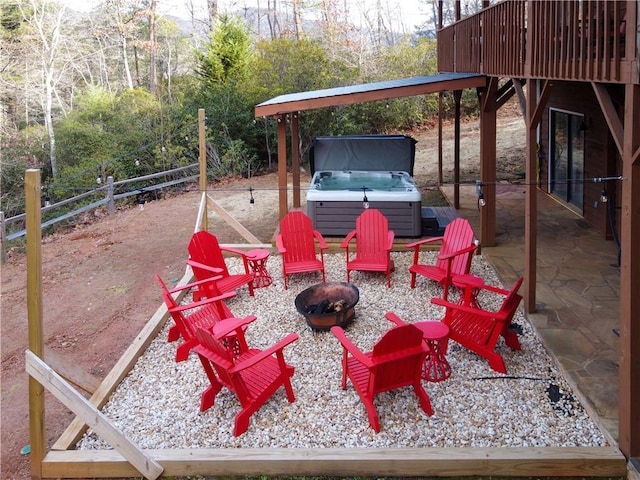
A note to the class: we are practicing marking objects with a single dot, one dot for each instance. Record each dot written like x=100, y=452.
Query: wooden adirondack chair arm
x=228, y=325
x=320, y=238
x=452, y=255
x=214, y=357
x=279, y=245
x=234, y=250
x=499, y=316
x=424, y=241
x=347, y=239
x=348, y=346
x=258, y=357
x=194, y=284
x=206, y=301
x=391, y=316
x=390, y=236
x=208, y=268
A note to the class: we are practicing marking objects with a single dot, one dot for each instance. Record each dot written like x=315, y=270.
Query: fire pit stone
x=327, y=304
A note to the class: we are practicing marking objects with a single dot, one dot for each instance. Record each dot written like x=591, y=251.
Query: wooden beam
x=517, y=84
x=629, y=370
x=233, y=223
x=325, y=98
x=71, y=372
x=457, y=96
x=295, y=159
x=93, y=417
x=34, y=316
x=393, y=462
x=202, y=148
x=123, y=366
x=283, y=203
x=531, y=200
x=488, y=129
x=610, y=114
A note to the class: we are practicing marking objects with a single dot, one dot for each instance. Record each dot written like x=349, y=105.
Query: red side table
x=258, y=262
x=468, y=286
x=436, y=336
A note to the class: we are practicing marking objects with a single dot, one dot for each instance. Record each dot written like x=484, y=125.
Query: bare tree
x=46, y=19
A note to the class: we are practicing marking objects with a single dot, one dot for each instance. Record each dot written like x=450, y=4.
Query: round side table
x=468, y=286
x=258, y=263
x=436, y=336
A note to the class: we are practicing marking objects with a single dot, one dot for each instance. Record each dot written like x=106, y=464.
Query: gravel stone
x=157, y=404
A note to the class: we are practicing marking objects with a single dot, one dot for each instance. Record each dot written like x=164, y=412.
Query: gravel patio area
x=157, y=405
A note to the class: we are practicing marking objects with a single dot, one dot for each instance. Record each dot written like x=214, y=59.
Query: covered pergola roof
x=368, y=92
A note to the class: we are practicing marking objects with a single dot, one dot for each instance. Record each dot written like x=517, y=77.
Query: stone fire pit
x=327, y=304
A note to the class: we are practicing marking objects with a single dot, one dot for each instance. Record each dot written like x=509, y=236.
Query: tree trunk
x=152, y=47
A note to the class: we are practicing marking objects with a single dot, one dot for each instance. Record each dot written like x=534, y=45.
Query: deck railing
x=567, y=40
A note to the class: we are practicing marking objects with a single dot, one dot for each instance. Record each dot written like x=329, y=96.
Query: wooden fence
x=14, y=227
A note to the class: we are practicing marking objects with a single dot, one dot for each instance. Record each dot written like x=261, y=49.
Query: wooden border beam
x=424, y=462
x=54, y=383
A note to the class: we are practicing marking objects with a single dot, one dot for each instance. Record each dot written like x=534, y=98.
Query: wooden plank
x=233, y=223
x=71, y=372
x=33, y=214
x=74, y=431
x=93, y=417
x=449, y=462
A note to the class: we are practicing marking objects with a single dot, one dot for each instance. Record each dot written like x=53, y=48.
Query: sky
x=405, y=14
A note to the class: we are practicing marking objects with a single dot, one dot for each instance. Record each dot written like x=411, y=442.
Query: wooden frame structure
x=128, y=460
x=61, y=461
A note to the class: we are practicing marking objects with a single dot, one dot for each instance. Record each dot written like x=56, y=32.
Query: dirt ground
x=98, y=278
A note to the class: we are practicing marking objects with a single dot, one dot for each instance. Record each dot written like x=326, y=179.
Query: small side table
x=258, y=263
x=468, y=286
x=436, y=336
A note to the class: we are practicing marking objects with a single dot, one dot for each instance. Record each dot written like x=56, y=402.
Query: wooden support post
x=295, y=159
x=37, y=436
x=202, y=144
x=536, y=102
x=3, y=239
x=282, y=166
x=629, y=389
x=488, y=165
x=457, y=95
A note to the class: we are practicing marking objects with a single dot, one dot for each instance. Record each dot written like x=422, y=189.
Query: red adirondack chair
x=479, y=330
x=207, y=260
x=456, y=252
x=396, y=361
x=253, y=375
x=189, y=317
x=296, y=242
x=374, y=242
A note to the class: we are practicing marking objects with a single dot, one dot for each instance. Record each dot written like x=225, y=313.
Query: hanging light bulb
x=252, y=200
x=481, y=201
x=604, y=198
x=137, y=161
x=47, y=200
x=365, y=200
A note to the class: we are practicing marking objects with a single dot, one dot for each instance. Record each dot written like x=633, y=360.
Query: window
x=566, y=157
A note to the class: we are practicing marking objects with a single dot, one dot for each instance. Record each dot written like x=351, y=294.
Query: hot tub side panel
x=338, y=218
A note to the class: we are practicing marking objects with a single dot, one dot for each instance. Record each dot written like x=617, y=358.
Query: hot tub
x=354, y=172
x=336, y=198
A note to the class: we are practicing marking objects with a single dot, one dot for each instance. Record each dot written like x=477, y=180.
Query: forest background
x=115, y=91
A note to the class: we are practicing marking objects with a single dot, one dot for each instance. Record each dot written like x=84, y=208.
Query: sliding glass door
x=566, y=158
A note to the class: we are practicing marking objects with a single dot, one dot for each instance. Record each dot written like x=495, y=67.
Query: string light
x=252, y=200
x=604, y=198
x=481, y=201
x=365, y=200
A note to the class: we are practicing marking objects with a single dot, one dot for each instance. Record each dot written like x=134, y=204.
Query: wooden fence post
x=33, y=211
x=3, y=240
x=111, y=206
x=203, y=164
